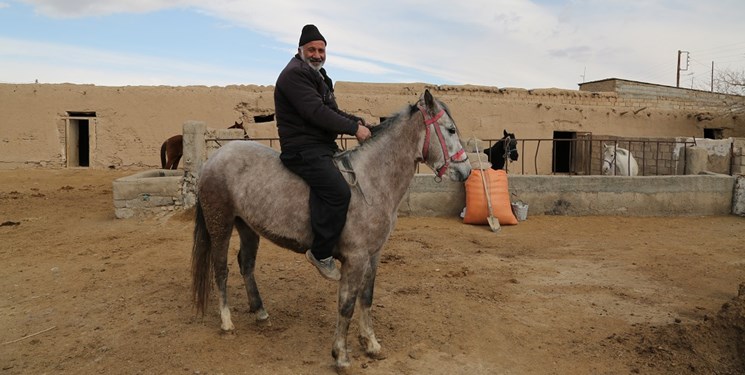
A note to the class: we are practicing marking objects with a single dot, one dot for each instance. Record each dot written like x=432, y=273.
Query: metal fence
x=577, y=156
x=584, y=155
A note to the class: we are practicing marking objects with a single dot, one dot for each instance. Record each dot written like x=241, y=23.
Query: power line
x=722, y=47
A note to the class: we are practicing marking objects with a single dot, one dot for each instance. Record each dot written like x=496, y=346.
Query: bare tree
x=730, y=82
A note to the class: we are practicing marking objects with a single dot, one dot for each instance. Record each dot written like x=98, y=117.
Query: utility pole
x=688, y=57
x=712, y=76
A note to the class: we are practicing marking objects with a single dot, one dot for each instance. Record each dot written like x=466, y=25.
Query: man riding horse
x=308, y=122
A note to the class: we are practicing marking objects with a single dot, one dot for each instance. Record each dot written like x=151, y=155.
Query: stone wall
x=662, y=96
x=129, y=124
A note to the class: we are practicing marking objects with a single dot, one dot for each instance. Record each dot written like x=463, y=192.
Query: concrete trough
x=147, y=192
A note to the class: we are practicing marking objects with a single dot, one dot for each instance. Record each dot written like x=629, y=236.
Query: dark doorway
x=78, y=136
x=713, y=133
x=83, y=145
x=562, y=155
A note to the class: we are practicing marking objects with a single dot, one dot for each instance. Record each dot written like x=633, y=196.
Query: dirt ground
x=85, y=293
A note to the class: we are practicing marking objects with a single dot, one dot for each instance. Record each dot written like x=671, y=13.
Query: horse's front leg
x=367, y=335
x=352, y=272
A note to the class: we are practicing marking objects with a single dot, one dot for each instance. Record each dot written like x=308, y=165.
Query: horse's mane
x=408, y=111
x=387, y=123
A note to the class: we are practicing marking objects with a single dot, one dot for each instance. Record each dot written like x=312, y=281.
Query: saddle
x=344, y=165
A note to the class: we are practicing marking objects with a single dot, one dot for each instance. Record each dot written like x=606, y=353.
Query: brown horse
x=173, y=148
x=245, y=186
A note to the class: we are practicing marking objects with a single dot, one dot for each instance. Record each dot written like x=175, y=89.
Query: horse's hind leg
x=367, y=335
x=220, y=243
x=176, y=161
x=247, y=261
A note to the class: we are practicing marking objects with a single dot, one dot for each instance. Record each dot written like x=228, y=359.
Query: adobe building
x=70, y=125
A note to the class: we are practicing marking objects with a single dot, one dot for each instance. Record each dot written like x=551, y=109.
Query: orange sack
x=477, y=210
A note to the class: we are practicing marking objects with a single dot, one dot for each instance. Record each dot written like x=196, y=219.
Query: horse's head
x=510, y=146
x=442, y=150
x=619, y=161
x=609, y=159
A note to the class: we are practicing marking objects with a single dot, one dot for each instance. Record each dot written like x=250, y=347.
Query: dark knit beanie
x=309, y=34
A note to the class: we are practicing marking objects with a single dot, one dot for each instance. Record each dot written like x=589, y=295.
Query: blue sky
x=503, y=43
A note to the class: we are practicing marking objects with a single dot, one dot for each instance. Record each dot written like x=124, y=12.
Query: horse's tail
x=163, y=155
x=201, y=262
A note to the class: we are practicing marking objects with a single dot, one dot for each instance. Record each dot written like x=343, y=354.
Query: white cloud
x=55, y=63
x=87, y=8
x=494, y=42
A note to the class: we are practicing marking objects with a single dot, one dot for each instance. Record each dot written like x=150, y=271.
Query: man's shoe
x=326, y=267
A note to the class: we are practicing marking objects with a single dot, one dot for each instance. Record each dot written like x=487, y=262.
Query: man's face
x=314, y=53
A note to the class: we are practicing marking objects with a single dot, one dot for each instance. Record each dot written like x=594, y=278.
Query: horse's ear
x=505, y=132
x=429, y=100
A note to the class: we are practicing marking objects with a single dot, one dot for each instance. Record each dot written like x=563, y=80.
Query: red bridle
x=459, y=157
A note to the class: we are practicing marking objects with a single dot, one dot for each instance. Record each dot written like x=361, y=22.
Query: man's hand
x=363, y=133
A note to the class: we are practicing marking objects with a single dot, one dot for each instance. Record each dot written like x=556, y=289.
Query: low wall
x=697, y=195
x=587, y=195
x=626, y=196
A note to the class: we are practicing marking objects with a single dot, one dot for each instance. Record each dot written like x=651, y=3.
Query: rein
x=455, y=158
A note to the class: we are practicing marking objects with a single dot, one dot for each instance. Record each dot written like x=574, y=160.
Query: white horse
x=619, y=161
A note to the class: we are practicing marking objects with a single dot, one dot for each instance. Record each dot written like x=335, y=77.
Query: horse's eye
x=451, y=131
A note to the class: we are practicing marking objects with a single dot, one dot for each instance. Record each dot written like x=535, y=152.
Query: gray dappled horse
x=245, y=185
x=619, y=161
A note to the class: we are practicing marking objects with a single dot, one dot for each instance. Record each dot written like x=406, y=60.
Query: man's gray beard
x=316, y=67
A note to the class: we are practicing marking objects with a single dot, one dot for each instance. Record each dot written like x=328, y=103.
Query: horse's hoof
x=345, y=371
x=263, y=322
x=342, y=366
x=262, y=315
x=372, y=348
x=378, y=355
x=342, y=359
x=227, y=334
